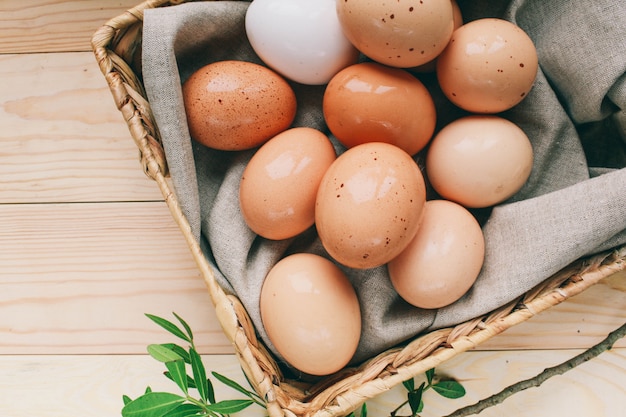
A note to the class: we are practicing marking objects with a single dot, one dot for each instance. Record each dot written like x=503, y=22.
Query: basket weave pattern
x=117, y=48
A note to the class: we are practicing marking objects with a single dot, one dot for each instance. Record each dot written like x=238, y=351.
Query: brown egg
x=444, y=259
x=397, y=33
x=311, y=313
x=431, y=66
x=279, y=185
x=369, y=205
x=236, y=105
x=489, y=66
x=370, y=102
x=479, y=161
x=457, y=15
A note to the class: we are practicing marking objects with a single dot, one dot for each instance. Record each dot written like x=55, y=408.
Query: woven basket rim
x=339, y=394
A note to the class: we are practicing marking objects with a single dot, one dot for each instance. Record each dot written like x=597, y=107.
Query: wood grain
x=78, y=278
x=595, y=388
x=62, y=137
x=54, y=25
x=580, y=322
x=93, y=385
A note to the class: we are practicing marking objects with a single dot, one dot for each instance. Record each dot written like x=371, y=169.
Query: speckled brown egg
x=236, y=105
x=369, y=205
x=401, y=33
x=431, y=66
x=489, y=66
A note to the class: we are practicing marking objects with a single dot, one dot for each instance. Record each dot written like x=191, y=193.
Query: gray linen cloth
x=574, y=203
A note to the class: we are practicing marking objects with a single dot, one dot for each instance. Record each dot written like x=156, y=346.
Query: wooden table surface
x=87, y=246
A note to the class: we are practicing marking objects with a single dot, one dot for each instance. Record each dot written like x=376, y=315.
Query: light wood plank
x=595, y=388
x=78, y=278
x=92, y=385
x=54, y=25
x=580, y=322
x=62, y=139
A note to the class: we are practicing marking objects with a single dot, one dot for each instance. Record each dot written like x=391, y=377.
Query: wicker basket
x=117, y=47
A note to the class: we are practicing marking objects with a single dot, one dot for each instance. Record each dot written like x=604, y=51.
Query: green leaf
x=190, y=382
x=169, y=326
x=449, y=389
x=126, y=399
x=251, y=393
x=185, y=410
x=152, y=404
x=364, y=410
x=178, y=374
x=415, y=399
x=179, y=350
x=185, y=325
x=199, y=374
x=430, y=374
x=409, y=384
x=234, y=385
x=163, y=354
x=229, y=406
x=210, y=391
x=250, y=385
x=148, y=389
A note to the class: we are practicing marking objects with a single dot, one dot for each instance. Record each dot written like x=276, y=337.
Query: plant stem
x=393, y=413
x=547, y=373
x=253, y=397
x=202, y=405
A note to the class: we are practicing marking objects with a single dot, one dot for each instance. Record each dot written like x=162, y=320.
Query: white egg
x=302, y=40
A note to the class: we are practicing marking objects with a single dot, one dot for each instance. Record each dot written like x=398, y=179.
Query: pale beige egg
x=479, y=160
x=444, y=259
x=311, y=313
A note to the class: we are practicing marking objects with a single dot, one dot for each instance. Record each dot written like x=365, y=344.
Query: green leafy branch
x=178, y=361
x=447, y=388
